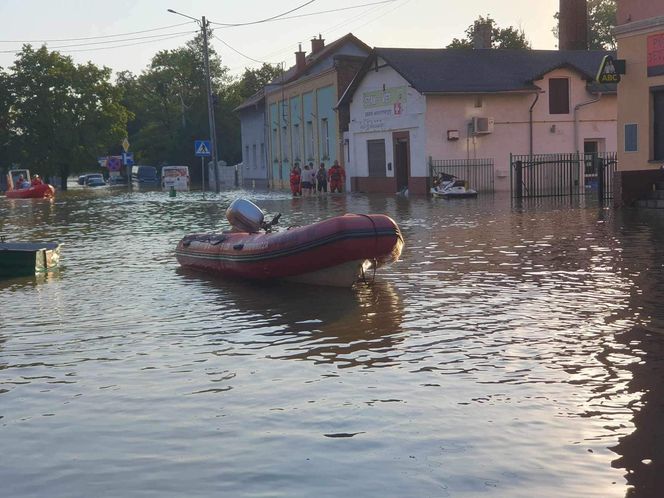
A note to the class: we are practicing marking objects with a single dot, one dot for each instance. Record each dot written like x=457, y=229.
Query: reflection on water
x=515, y=350
x=348, y=327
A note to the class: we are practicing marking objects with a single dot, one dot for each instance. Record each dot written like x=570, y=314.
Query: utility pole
x=211, y=123
x=208, y=82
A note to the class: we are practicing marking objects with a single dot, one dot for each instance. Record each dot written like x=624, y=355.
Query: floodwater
x=514, y=351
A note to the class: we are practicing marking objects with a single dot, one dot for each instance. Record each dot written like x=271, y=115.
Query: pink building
x=411, y=107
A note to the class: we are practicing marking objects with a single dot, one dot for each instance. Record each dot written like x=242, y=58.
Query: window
x=325, y=139
x=262, y=156
x=478, y=101
x=309, y=141
x=254, y=159
x=296, y=142
x=284, y=143
x=376, y=157
x=275, y=145
x=631, y=137
x=559, y=96
x=658, y=125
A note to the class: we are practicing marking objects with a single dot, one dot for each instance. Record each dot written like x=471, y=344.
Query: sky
x=125, y=34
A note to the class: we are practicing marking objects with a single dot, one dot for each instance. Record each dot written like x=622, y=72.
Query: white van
x=176, y=177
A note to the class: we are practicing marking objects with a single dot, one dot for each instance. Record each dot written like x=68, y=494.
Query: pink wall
x=551, y=133
x=637, y=10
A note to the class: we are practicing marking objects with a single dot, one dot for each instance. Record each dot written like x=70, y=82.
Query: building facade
x=252, y=130
x=411, y=106
x=295, y=116
x=640, y=37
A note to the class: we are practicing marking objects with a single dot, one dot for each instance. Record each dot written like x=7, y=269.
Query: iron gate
x=547, y=175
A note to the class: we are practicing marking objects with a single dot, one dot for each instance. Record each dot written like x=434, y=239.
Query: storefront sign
x=390, y=97
x=609, y=70
x=381, y=106
x=656, y=55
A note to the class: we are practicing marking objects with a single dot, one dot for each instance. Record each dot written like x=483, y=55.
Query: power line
x=164, y=38
x=264, y=20
x=240, y=53
x=329, y=29
x=120, y=40
x=320, y=12
x=95, y=37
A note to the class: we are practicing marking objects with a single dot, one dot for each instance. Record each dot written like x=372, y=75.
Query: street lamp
x=213, y=141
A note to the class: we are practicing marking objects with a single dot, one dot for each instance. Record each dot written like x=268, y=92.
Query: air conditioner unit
x=481, y=126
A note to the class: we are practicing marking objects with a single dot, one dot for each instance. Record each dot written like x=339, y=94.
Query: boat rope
x=374, y=260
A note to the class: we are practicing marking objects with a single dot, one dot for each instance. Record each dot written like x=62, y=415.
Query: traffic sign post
x=202, y=150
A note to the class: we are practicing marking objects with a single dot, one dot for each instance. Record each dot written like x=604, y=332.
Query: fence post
x=518, y=178
x=599, y=167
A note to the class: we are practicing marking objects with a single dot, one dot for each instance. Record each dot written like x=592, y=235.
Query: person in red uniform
x=337, y=177
x=36, y=181
x=295, y=181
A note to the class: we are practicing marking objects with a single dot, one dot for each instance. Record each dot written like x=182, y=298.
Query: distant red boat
x=14, y=191
x=335, y=251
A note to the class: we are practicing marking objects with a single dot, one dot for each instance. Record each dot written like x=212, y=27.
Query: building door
x=376, y=155
x=401, y=159
x=590, y=150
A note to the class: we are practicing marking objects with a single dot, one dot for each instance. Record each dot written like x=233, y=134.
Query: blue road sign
x=128, y=158
x=202, y=148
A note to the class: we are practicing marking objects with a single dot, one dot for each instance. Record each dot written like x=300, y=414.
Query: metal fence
x=556, y=175
x=477, y=172
x=599, y=172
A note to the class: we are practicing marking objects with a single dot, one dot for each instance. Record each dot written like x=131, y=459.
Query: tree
x=254, y=80
x=62, y=115
x=169, y=102
x=501, y=38
x=601, y=21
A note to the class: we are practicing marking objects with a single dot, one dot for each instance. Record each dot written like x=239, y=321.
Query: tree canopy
x=57, y=117
x=60, y=116
x=509, y=37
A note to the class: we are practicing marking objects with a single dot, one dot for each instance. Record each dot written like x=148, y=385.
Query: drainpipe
x=576, y=121
x=530, y=124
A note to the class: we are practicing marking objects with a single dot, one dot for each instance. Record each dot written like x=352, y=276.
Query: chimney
x=573, y=25
x=482, y=35
x=300, y=61
x=317, y=44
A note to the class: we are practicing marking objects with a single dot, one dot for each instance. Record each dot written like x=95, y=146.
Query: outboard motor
x=245, y=216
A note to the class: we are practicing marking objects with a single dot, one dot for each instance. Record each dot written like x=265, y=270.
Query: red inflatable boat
x=332, y=252
x=14, y=190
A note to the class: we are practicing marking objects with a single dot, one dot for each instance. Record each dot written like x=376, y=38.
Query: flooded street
x=514, y=351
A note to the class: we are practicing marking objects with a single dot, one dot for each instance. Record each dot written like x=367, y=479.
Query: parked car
x=95, y=180
x=82, y=178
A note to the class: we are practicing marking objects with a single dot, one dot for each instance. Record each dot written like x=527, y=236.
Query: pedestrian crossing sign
x=202, y=148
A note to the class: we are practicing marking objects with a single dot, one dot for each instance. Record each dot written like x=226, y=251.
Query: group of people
x=307, y=181
x=22, y=182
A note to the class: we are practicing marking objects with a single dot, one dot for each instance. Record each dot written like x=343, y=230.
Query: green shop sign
x=384, y=98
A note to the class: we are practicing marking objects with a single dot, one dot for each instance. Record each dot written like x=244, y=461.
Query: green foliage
x=601, y=21
x=57, y=117
x=61, y=115
x=501, y=38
